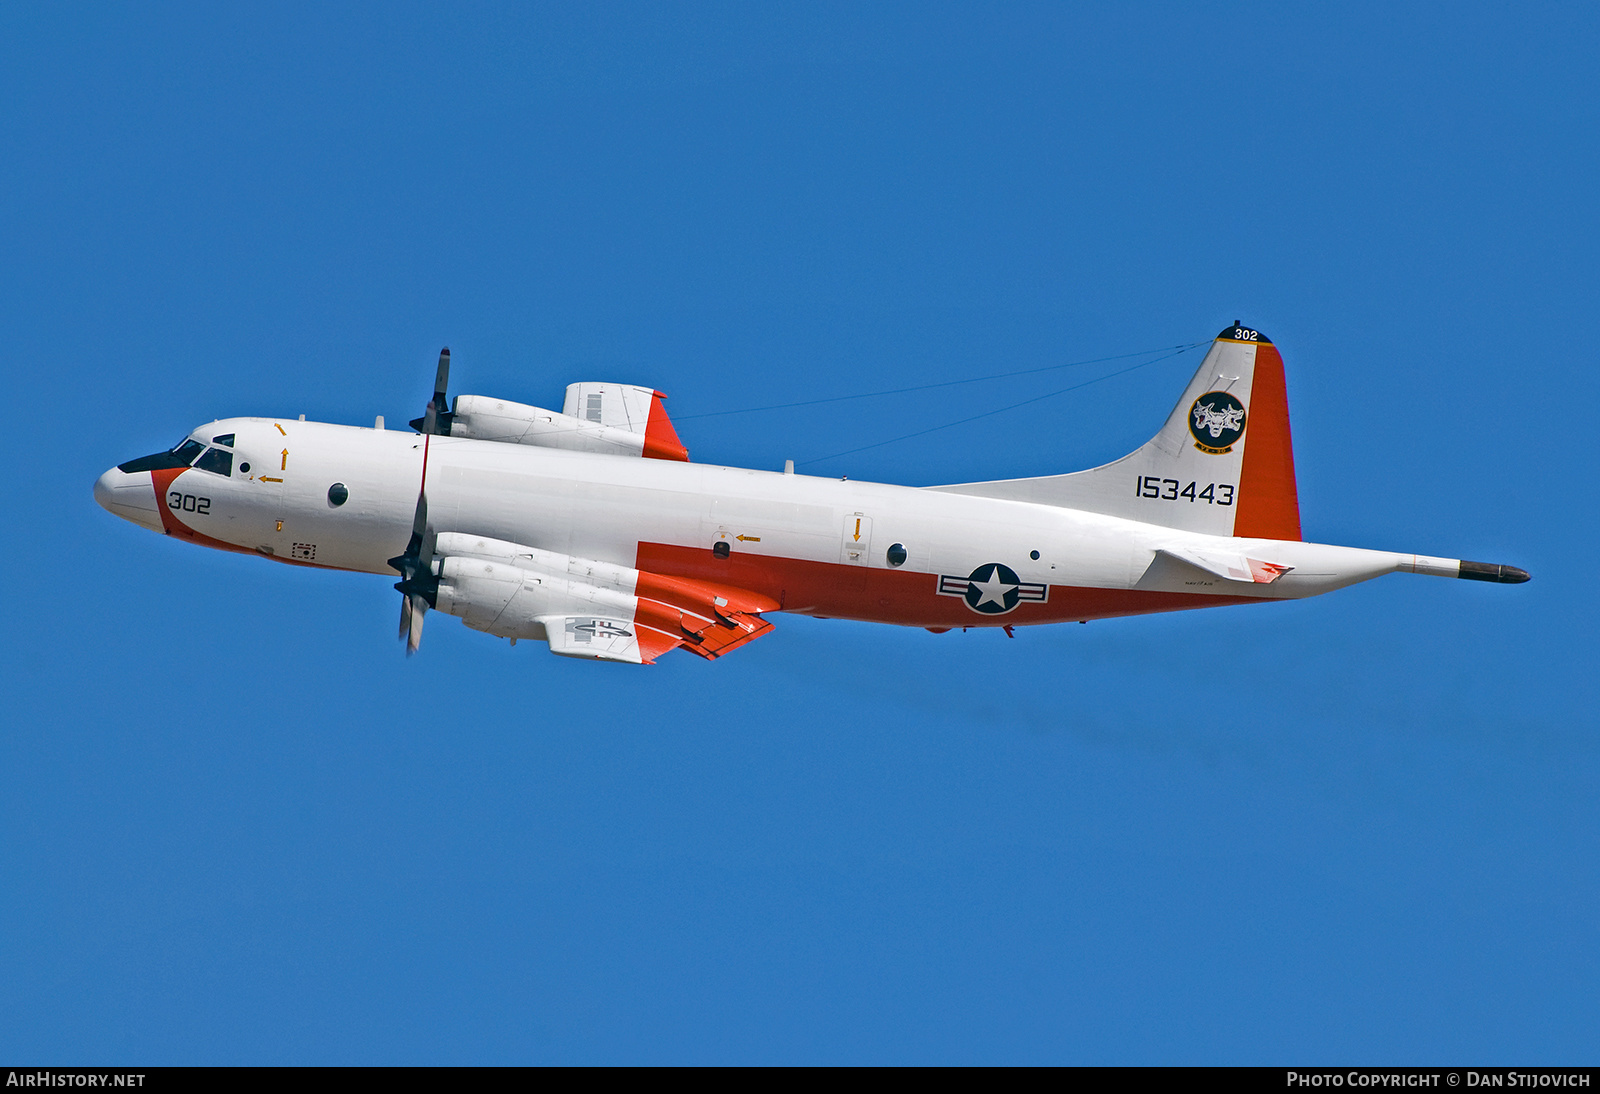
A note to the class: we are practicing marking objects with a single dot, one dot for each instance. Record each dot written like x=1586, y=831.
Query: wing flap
x=727, y=634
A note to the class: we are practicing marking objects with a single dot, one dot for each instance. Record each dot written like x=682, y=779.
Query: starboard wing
x=638, y=410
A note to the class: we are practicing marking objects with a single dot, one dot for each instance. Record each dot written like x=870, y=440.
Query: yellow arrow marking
x=858, y=529
x=280, y=526
x=280, y=429
x=285, y=466
x=264, y=478
x=748, y=539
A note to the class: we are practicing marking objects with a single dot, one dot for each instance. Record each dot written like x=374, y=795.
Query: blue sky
x=240, y=827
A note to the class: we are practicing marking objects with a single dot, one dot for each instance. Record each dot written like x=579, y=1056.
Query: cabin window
x=338, y=494
x=219, y=461
x=896, y=555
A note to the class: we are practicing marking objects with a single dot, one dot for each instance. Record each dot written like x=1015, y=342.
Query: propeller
x=418, y=586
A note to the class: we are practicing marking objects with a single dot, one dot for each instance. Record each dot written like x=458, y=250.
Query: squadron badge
x=1216, y=420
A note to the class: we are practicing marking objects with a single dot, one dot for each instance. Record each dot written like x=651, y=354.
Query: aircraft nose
x=129, y=496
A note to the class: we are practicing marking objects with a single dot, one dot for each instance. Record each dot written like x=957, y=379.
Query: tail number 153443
x=1157, y=488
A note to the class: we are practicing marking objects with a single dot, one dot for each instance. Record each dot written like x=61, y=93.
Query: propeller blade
x=405, y=617
x=437, y=418
x=417, y=608
x=419, y=522
x=408, y=562
x=441, y=378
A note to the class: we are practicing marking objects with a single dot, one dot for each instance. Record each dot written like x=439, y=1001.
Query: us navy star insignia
x=993, y=589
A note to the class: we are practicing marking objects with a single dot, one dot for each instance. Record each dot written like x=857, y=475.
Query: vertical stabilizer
x=1222, y=465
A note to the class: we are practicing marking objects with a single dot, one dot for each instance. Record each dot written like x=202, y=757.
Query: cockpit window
x=216, y=460
x=226, y=438
x=182, y=455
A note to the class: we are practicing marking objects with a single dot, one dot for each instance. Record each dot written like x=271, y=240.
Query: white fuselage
x=817, y=546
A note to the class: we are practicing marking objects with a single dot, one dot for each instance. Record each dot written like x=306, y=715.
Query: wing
x=589, y=609
x=623, y=406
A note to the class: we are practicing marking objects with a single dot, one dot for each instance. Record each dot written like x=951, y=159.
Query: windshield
x=182, y=455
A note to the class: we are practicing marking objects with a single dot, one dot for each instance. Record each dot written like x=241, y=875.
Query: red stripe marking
x=162, y=481
x=423, y=489
x=841, y=591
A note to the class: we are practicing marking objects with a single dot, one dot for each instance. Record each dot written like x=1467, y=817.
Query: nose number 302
x=188, y=503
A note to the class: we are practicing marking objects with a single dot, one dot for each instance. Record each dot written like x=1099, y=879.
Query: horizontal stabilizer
x=1227, y=565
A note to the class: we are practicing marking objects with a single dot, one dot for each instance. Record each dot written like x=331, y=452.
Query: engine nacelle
x=481, y=418
x=512, y=602
x=605, y=574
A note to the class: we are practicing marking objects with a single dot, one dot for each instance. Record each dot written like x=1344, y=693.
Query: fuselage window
x=338, y=494
x=216, y=460
x=226, y=438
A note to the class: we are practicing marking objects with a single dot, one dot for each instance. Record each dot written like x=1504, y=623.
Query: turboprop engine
x=511, y=602
x=481, y=418
x=612, y=419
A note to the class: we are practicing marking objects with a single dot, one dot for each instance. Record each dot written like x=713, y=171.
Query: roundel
x=1216, y=420
x=993, y=589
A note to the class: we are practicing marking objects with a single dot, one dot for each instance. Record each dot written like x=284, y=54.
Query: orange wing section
x=660, y=439
x=704, y=617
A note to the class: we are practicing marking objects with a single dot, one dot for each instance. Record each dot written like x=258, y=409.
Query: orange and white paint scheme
x=591, y=530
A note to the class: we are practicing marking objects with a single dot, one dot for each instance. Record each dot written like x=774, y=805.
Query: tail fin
x=1223, y=464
